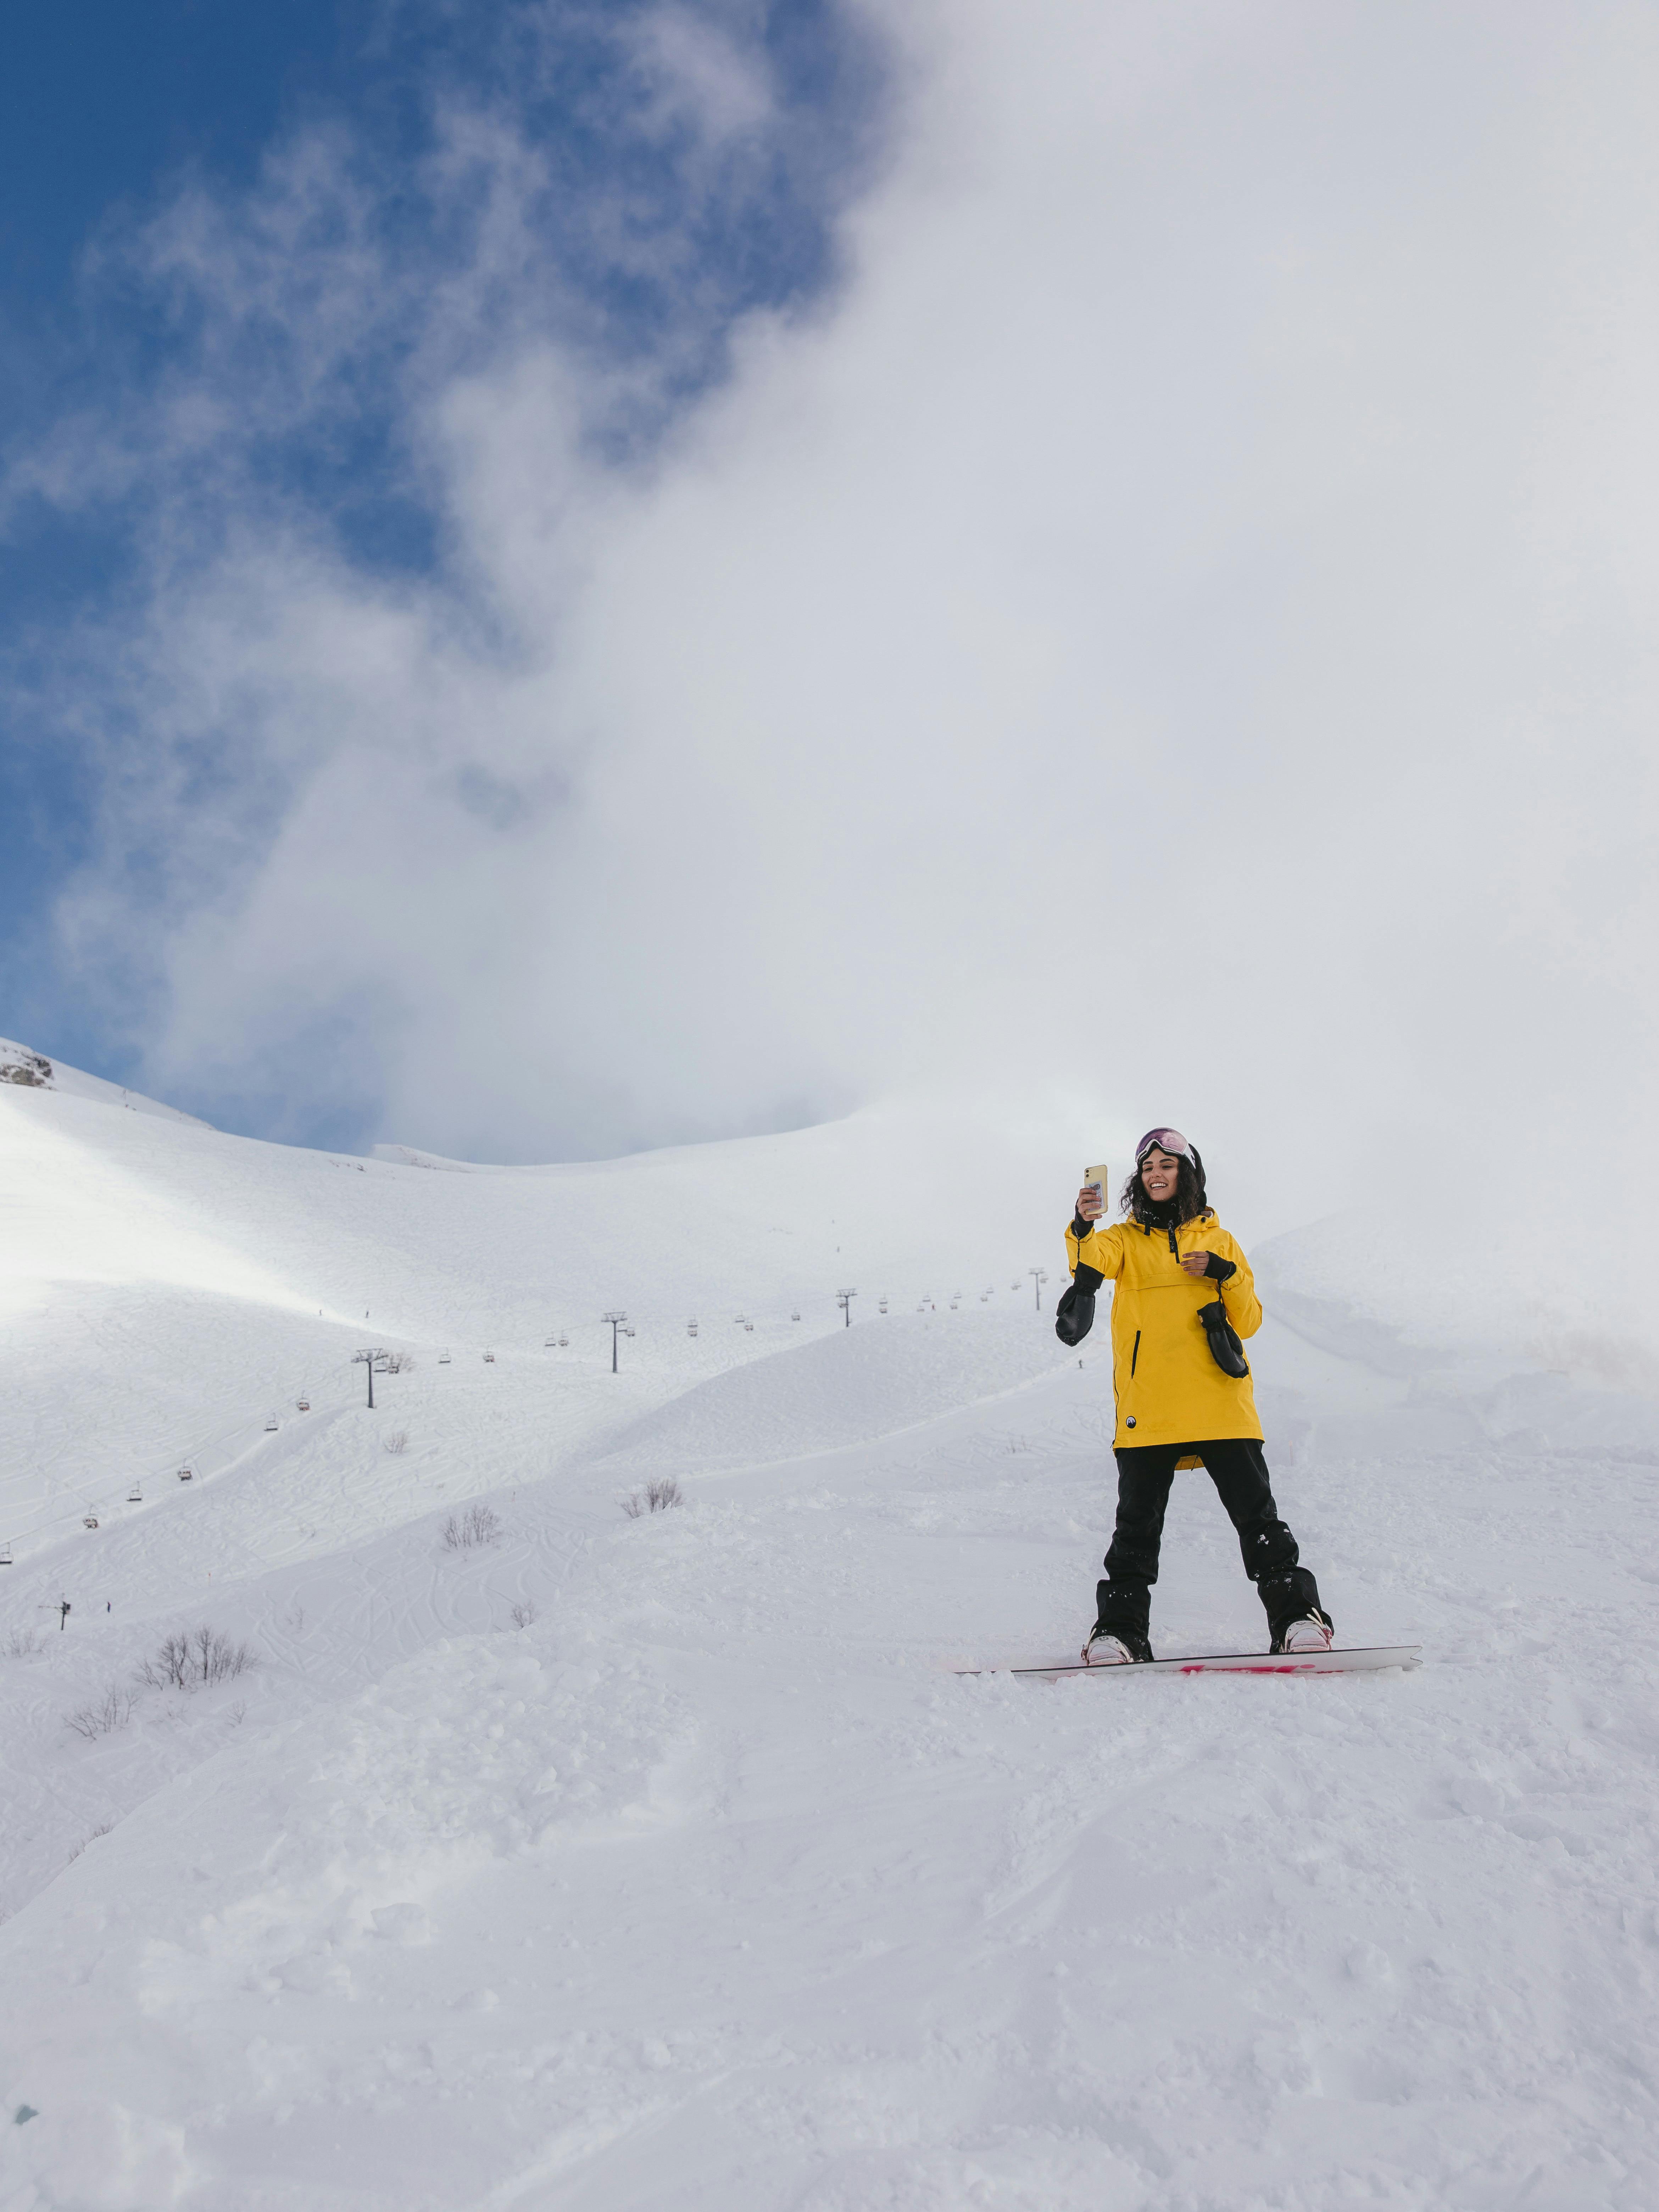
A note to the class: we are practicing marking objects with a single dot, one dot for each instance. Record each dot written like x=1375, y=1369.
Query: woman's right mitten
x=1074, y=1317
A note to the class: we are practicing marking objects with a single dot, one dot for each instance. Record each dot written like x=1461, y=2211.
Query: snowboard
x=1404, y=1656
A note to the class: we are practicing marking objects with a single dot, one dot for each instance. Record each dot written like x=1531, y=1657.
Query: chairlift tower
x=844, y=1300
x=366, y=1358
x=1039, y=1277
x=616, y=1321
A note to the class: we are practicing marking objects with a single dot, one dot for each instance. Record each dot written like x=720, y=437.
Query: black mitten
x=1225, y=1349
x=1074, y=1317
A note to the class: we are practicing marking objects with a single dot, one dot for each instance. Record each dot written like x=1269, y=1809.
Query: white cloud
x=1174, y=621
x=699, y=74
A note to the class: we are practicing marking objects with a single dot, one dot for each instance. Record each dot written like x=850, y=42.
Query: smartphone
x=1099, y=1180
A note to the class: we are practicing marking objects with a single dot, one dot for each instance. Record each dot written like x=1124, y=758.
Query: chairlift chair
x=690, y=1328
x=270, y=1424
x=186, y=1475
x=549, y=1344
x=89, y=1521
x=135, y=1496
x=795, y=1316
x=749, y=1328
x=563, y=1340
x=5, y=1554
x=443, y=1359
x=490, y=1359
x=302, y=1405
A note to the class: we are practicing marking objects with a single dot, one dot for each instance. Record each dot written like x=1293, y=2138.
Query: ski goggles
x=1167, y=1140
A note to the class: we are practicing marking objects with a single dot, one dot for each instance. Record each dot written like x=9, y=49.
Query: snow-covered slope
x=169, y=1290
x=663, y=1860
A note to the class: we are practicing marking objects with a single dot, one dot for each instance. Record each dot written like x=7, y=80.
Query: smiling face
x=1160, y=1175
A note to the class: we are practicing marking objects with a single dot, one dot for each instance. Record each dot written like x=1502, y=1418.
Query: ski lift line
x=75, y=1504
x=208, y=1447
x=101, y=1501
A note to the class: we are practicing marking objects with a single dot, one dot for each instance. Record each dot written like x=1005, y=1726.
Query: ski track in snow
x=712, y=1886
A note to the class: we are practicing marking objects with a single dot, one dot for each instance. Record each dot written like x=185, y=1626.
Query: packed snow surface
x=550, y=1854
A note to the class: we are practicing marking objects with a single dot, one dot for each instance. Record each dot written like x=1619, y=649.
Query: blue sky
x=103, y=109
x=110, y=117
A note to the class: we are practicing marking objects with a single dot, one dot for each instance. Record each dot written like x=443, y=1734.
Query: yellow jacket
x=1169, y=1390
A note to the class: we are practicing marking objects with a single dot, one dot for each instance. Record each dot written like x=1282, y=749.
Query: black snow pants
x=1238, y=1468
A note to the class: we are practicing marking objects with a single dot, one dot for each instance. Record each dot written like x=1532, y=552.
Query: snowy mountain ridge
x=20, y=1065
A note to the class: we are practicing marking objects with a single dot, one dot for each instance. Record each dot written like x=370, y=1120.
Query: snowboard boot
x=1311, y=1633
x=1119, y=1636
x=1114, y=1647
x=1291, y=1601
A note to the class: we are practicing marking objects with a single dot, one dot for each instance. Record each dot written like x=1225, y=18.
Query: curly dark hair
x=1188, y=1202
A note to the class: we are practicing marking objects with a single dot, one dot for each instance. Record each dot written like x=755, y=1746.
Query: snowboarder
x=1183, y=1393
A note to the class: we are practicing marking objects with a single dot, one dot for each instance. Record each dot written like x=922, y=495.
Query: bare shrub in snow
x=20, y=1642
x=656, y=1498
x=185, y=1661
x=168, y=1667
x=395, y=1441
x=524, y=1613
x=477, y=1525
x=113, y=1711
x=217, y=1659
x=102, y=1829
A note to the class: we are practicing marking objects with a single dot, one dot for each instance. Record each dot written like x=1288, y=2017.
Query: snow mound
x=407, y=1156
x=1401, y=1290
x=891, y=1373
